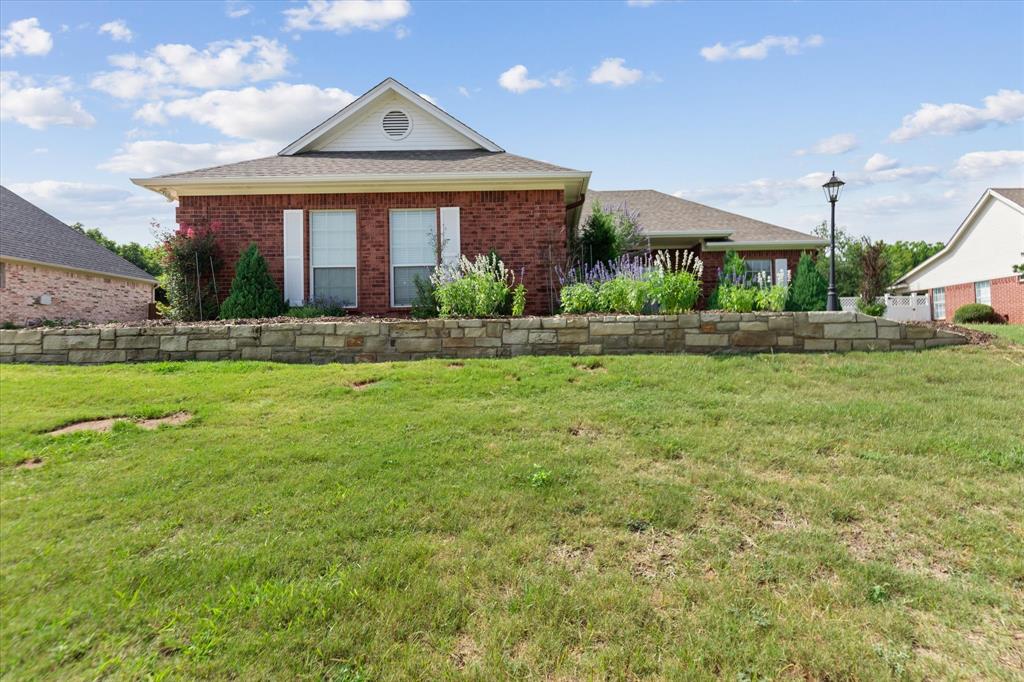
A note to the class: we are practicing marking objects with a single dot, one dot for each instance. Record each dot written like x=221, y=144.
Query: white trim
x=387, y=85
x=959, y=235
x=312, y=267
x=68, y=268
x=766, y=245
x=289, y=256
x=696, y=234
x=391, y=262
x=451, y=235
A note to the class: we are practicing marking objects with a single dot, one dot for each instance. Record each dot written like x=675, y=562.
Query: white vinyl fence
x=915, y=307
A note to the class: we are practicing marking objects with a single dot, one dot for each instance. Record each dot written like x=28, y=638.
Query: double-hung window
x=413, y=251
x=757, y=266
x=939, y=303
x=333, y=256
x=983, y=292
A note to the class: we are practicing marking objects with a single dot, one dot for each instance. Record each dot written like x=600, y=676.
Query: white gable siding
x=991, y=246
x=365, y=133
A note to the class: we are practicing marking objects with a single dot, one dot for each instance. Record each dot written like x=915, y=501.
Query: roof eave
x=766, y=244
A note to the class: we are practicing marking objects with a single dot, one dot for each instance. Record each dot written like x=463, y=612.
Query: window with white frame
x=413, y=251
x=781, y=271
x=939, y=303
x=756, y=266
x=332, y=256
x=983, y=292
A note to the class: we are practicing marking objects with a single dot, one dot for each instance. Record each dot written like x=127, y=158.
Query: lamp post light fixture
x=832, y=189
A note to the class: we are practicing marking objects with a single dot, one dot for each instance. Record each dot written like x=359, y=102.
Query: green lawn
x=1010, y=332
x=815, y=517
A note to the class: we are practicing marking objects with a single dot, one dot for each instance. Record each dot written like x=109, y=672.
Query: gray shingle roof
x=663, y=213
x=28, y=232
x=1014, y=194
x=313, y=164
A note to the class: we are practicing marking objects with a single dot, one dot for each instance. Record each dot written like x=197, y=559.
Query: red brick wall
x=715, y=261
x=1007, y=298
x=74, y=296
x=523, y=226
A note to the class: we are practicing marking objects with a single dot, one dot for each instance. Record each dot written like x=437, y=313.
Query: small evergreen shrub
x=977, y=313
x=254, y=293
x=809, y=290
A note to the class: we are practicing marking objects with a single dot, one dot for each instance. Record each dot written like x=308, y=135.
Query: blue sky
x=746, y=107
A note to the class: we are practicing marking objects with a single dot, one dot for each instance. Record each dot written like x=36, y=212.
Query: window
x=983, y=292
x=413, y=240
x=332, y=256
x=756, y=266
x=939, y=303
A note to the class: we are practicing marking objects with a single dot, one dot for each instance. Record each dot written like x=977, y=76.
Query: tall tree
x=147, y=258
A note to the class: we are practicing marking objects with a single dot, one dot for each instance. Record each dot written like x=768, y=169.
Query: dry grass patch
x=107, y=424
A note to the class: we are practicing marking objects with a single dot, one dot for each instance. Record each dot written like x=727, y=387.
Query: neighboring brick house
x=976, y=265
x=380, y=192
x=670, y=223
x=49, y=271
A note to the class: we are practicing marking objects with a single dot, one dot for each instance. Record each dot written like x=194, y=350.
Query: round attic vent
x=396, y=124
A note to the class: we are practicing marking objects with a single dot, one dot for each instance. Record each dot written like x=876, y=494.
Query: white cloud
x=342, y=16
x=25, y=37
x=402, y=32
x=640, y=3
x=1004, y=107
x=562, y=79
x=118, y=30
x=982, y=164
x=836, y=144
x=759, y=50
x=278, y=114
x=880, y=162
x=896, y=174
x=761, y=192
x=517, y=80
x=172, y=69
x=464, y=91
x=612, y=72
x=890, y=203
x=236, y=9
x=155, y=157
x=45, y=191
x=40, y=106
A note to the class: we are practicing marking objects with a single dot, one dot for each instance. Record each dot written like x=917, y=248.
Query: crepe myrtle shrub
x=482, y=287
x=254, y=293
x=873, y=266
x=808, y=290
x=190, y=261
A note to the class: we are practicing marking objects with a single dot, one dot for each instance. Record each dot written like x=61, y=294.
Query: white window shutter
x=451, y=241
x=293, y=261
x=781, y=271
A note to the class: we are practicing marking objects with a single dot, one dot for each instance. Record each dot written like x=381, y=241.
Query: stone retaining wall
x=361, y=341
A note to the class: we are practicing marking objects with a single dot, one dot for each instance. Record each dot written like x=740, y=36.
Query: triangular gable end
x=390, y=117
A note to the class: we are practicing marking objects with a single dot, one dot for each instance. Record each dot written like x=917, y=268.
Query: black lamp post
x=832, y=189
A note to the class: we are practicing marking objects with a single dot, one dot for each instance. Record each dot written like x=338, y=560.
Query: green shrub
x=809, y=290
x=872, y=308
x=479, y=288
x=191, y=260
x=518, y=300
x=737, y=299
x=579, y=298
x=254, y=293
x=977, y=312
x=424, y=305
x=675, y=282
x=623, y=295
x=608, y=234
x=772, y=298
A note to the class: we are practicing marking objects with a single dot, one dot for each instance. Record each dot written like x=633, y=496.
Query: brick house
x=50, y=271
x=976, y=265
x=391, y=185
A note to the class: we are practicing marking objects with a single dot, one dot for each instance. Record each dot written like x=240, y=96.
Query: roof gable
x=28, y=233
x=360, y=126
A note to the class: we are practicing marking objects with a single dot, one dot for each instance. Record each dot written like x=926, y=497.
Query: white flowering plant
x=482, y=287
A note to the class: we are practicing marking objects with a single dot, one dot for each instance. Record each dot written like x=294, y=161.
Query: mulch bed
x=973, y=336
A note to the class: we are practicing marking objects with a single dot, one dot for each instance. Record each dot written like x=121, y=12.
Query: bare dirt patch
x=31, y=463
x=654, y=554
x=103, y=425
x=576, y=558
x=973, y=335
x=592, y=366
x=884, y=543
x=456, y=365
x=465, y=652
x=363, y=384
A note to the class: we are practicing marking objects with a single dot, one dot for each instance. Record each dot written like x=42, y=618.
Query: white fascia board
x=958, y=236
x=698, y=234
x=361, y=183
x=766, y=245
x=387, y=85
